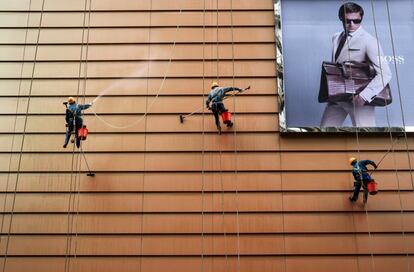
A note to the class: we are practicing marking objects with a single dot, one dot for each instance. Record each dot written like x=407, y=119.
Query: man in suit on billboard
x=356, y=44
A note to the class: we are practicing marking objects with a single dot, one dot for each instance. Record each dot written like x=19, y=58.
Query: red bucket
x=372, y=187
x=83, y=133
x=226, y=116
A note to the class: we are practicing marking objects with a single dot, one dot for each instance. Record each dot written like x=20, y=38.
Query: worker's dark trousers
x=69, y=131
x=357, y=188
x=218, y=108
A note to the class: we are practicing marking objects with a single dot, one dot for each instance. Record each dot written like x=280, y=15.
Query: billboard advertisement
x=347, y=65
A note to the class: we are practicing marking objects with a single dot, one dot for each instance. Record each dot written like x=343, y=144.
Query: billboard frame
x=283, y=125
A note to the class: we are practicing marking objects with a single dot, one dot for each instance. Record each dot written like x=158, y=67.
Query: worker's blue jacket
x=360, y=170
x=74, y=112
x=217, y=94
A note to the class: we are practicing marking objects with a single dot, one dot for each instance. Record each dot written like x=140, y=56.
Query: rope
x=406, y=142
x=23, y=139
x=279, y=62
x=158, y=91
x=15, y=120
x=399, y=94
x=203, y=141
x=145, y=140
x=356, y=121
x=82, y=152
x=220, y=147
x=74, y=193
x=235, y=143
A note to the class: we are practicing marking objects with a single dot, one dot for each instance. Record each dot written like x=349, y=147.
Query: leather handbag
x=341, y=81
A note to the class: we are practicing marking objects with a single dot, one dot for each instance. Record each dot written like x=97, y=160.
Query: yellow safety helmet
x=214, y=85
x=351, y=160
x=71, y=100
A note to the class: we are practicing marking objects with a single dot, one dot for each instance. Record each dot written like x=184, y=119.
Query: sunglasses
x=355, y=21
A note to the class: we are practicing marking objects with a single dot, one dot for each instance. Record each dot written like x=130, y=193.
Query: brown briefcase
x=340, y=81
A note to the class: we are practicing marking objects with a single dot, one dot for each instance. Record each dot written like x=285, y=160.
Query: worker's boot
x=65, y=145
x=219, y=129
x=351, y=198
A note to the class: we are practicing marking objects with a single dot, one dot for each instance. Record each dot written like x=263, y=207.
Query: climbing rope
x=406, y=142
x=235, y=143
x=158, y=91
x=145, y=139
x=23, y=138
x=15, y=119
x=399, y=94
x=279, y=62
x=203, y=141
x=219, y=145
x=74, y=191
x=356, y=121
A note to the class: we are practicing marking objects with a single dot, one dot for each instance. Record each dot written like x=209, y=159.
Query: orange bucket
x=226, y=116
x=83, y=133
x=372, y=187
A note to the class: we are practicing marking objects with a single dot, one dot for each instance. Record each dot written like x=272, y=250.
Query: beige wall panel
x=187, y=161
x=128, y=123
x=125, y=105
x=160, y=182
x=34, y=264
x=152, y=223
x=152, y=245
x=337, y=161
x=172, y=18
x=348, y=222
x=192, y=202
x=242, y=181
x=154, y=142
x=37, y=5
x=217, y=245
x=153, y=264
x=314, y=201
x=67, y=35
x=191, y=34
x=386, y=263
x=327, y=181
x=20, y=19
x=182, y=4
x=170, y=142
x=348, y=263
x=140, y=35
x=16, y=52
x=132, y=202
x=153, y=162
x=345, y=244
x=219, y=264
x=134, y=5
x=213, y=223
x=137, y=52
x=127, y=86
x=345, y=143
x=139, y=69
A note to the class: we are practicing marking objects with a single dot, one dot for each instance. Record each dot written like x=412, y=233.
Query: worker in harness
x=215, y=97
x=361, y=176
x=74, y=120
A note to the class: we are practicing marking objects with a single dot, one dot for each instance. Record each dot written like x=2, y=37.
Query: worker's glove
x=66, y=125
x=375, y=166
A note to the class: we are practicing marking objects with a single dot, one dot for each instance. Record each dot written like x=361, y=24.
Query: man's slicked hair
x=350, y=7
